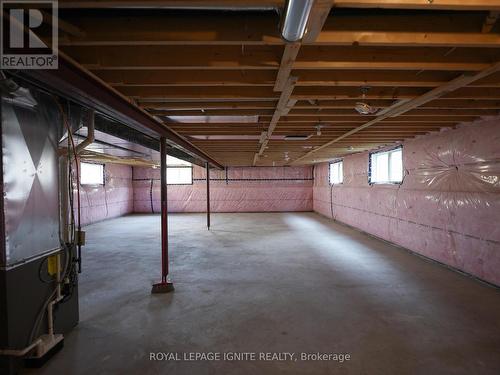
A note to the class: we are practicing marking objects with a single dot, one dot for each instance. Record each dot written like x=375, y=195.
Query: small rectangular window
x=386, y=167
x=91, y=174
x=336, y=172
x=179, y=172
x=179, y=176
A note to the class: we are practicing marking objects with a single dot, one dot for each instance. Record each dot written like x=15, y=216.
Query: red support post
x=208, y=195
x=164, y=286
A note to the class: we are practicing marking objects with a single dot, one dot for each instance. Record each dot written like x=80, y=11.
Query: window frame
x=103, y=173
x=330, y=172
x=388, y=151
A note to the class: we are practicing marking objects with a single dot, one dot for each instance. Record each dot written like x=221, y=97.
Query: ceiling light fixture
x=296, y=17
x=362, y=107
x=318, y=129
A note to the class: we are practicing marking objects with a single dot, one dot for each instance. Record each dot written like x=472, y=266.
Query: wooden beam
x=192, y=28
x=172, y=4
x=198, y=93
x=421, y=4
x=333, y=93
x=317, y=17
x=384, y=78
x=283, y=106
x=265, y=114
x=237, y=30
x=399, y=108
x=307, y=127
x=207, y=105
x=242, y=78
x=287, y=61
x=176, y=57
x=269, y=58
x=418, y=112
x=439, y=103
x=319, y=105
x=147, y=77
x=407, y=39
x=147, y=93
x=362, y=119
x=395, y=58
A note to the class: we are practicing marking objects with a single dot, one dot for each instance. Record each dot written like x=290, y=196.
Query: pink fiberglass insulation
x=113, y=199
x=260, y=189
x=447, y=208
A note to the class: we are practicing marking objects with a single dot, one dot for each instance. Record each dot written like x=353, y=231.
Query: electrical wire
x=77, y=168
x=151, y=196
x=40, y=276
x=67, y=270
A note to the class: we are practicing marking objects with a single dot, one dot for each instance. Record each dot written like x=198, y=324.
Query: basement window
x=336, y=172
x=91, y=174
x=386, y=167
x=179, y=172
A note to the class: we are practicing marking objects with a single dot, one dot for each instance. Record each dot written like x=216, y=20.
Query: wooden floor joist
x=177, y=58
x=421, y=4
x=398, y=109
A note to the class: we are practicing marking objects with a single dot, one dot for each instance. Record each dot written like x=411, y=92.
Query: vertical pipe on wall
x=164, y=286
x=208, y=195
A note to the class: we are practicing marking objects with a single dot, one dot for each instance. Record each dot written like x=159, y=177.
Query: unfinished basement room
x=251, y=187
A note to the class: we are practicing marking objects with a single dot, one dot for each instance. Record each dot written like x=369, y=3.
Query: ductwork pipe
x=296, y=17
x=90, y=134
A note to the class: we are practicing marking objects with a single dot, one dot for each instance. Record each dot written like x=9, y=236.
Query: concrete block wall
x=447, y=208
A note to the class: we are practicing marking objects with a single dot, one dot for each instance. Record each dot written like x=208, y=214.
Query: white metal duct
x=30, y=181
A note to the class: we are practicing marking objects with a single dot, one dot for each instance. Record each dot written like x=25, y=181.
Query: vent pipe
x=296, y=17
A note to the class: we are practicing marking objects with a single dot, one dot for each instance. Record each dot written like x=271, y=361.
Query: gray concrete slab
x=280, y=282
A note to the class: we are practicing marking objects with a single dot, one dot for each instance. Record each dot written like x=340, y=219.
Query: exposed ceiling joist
x=75, y=82
x=237, y=30
x=173, y=4
x=400, y=108
x=193, y=62
x=317, y=17
x=329, y=114
x=407, y=39
x=421, y=4
x=226, y=78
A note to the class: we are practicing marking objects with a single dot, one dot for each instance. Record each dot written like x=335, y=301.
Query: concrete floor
x=291, y=282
